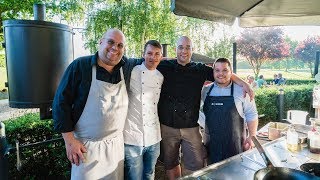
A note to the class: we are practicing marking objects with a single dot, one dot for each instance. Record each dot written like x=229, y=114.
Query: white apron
x=100, y=129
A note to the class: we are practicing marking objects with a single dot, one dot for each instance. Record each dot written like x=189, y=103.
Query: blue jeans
x=140, y=161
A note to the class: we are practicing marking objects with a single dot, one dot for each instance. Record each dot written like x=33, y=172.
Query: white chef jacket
x=142, y=127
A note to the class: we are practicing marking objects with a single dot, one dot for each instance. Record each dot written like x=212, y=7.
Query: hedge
x=38, y=162
x=298, y=97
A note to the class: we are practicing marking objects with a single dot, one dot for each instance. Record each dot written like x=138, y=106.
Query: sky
x=298, y=33
x=301, y=32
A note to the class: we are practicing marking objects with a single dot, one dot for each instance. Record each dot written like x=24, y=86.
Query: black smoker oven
x=37, y=54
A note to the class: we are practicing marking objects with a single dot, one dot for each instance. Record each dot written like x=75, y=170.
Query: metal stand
x=4, y=151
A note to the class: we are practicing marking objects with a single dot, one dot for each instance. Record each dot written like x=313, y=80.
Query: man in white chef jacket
x=142, y=134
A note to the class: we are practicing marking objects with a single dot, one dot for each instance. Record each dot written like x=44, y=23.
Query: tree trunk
x=310, y=67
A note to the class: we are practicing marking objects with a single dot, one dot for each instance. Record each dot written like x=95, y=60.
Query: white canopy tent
x=251, y=13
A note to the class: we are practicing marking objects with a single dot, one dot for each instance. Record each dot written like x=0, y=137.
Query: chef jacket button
x=185, y=111
x=143, y=72
x=175, y=110
x=143, y=104
x=142, y=93
x=143, y=114
x=154, y=103
x=142, y=82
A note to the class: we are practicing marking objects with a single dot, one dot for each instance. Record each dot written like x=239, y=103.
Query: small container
x=276, y=129
x=292, y=139
x=315, y=143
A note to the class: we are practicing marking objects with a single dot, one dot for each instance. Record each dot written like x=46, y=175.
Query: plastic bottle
x=311, y=132
x=292, y=139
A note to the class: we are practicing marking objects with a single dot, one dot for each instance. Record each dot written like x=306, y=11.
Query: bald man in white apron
x=106, y=107
x=90, y=108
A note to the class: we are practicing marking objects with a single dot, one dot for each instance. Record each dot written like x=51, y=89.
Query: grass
x=303, y=74
x=267, y=73
x=3, y=77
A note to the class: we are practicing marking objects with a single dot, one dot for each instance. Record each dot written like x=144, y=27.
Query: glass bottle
x=315, y=143
x=292, y=139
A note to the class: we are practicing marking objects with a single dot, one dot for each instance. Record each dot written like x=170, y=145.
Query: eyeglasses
x=224, y=71
x=187, y=48
x=111, y=42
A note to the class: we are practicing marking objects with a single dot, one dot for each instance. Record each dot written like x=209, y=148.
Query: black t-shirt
x=180, y=96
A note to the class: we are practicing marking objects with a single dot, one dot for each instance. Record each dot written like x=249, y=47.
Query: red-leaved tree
x=306, y=51
x=259, y=45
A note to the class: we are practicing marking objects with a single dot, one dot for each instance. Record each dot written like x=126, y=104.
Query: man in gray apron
x=90, y=108
x=227, y=113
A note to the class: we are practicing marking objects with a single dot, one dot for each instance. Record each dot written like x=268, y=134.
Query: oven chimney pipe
x=39, y=12
x=164, y=50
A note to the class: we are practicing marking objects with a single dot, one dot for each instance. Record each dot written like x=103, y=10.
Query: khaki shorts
x=193, y=151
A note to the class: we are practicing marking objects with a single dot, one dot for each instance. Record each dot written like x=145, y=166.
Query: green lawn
x=268, y=73
x=3, y=77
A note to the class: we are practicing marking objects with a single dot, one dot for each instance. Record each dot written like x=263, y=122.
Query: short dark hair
x=154, y=43
x=223, y=60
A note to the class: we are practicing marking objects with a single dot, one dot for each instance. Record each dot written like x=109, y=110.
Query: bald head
x=111, y=48
x=114, y=31
x=184, y=39
x=184, y=50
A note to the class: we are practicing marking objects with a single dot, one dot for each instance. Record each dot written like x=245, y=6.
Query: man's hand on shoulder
x=248, y=90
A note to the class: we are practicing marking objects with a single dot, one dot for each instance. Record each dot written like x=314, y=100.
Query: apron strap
x=94, y=72
x=121, y=74
x=232, y=89
x=208, y=93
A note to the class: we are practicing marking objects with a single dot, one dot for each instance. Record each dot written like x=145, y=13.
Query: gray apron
x=225, y=125
x=100, y=130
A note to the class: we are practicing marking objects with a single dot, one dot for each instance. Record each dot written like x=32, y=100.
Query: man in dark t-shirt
x=178, y=109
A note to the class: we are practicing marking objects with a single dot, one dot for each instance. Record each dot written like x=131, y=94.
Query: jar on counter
x=292, y=139
x=315, y=143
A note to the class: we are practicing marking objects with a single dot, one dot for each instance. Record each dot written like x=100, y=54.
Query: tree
x=69, y=10
x=222, y=48
x=208, y=38
x=306, y=51
x=139, y=20
x=290, y=59
x=259, y=45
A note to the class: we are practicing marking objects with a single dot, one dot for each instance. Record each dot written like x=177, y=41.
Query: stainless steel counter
x=239, y=167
